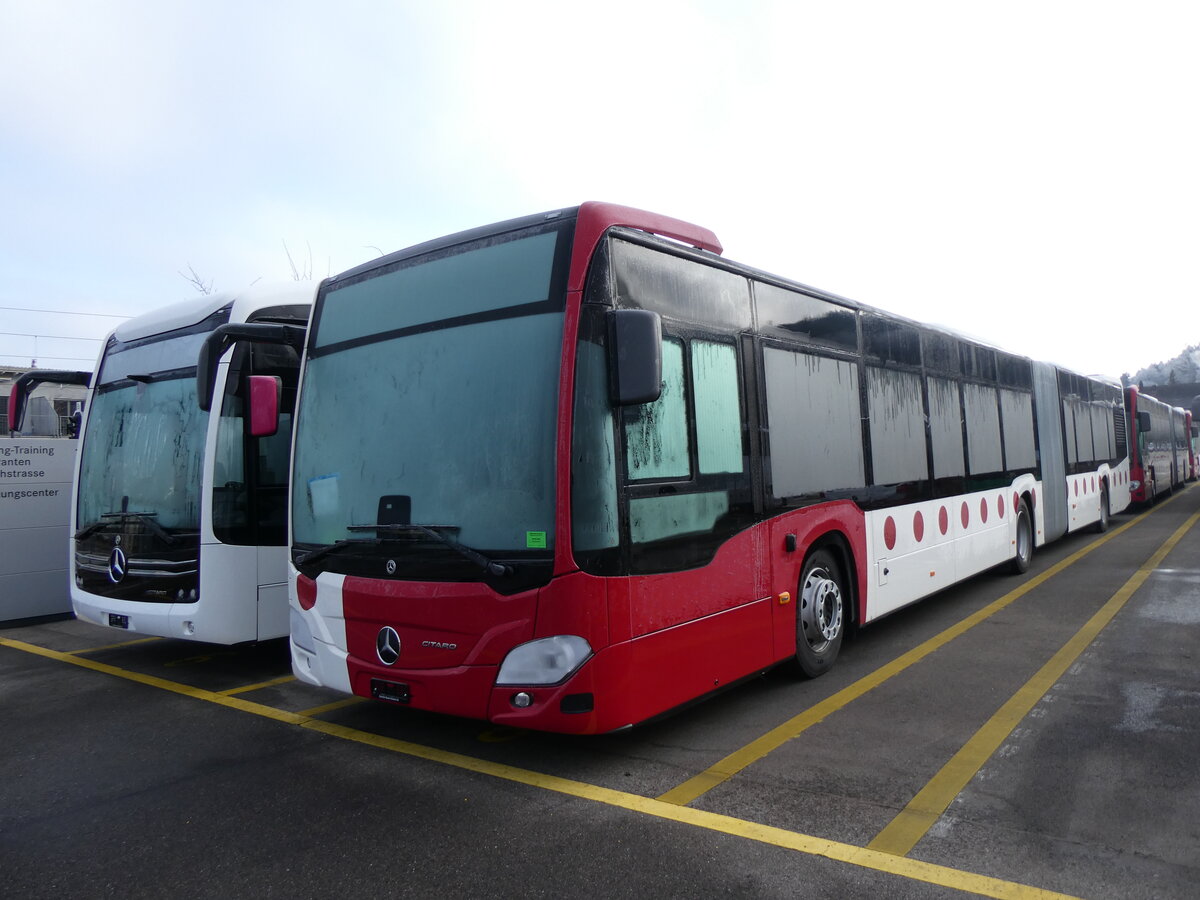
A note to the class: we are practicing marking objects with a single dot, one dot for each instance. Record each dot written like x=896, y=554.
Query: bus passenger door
x=697, y=614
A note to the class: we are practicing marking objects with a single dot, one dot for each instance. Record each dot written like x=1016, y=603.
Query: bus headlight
x=544, y=661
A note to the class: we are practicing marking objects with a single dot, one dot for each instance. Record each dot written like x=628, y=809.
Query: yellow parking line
x=885, y=863
x=904, y=831
x=766, y=834
x=330, y=707
x=153, y=681
x=282, y=679
x=723, y=770
x=145, y=640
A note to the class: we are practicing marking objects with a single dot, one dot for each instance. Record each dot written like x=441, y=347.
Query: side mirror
x=225, y=336
x=265, y=392
x=637, y=352
x=1143, y=421
x=24, y=385
x=16, y=409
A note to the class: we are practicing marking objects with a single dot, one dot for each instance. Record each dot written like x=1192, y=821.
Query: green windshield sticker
x=535, y=540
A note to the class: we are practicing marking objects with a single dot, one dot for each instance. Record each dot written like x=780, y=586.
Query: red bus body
x=1161, y=457
x=658, y=640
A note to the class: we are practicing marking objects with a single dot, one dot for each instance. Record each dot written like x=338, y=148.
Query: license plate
x=392, y=691
x=116, y=621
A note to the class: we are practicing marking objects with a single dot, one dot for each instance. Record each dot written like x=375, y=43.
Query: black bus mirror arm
x=224, y=337
x=18, y=397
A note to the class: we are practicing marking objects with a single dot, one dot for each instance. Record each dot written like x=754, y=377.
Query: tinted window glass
x=1017, y=412
x=477, y=278
x=1014, y=371
x=983, y=429
x=679, y=288
x=656, y=434
x=718, y=412
x=423, y=395
x=1068, y=407
x=939, y=352
x=815, y=423
x=656, y=518
x=1083, y=431
x=897, y=414
x=1102, y=442
x=796, y=316
x=891, y=341
x=945, y=428
x=143, y=452
x=593, y=457
x=978, y=362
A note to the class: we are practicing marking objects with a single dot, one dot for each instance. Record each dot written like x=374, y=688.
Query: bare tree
x=196, y=281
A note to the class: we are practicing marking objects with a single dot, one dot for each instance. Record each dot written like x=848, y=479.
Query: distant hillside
x=1183, y=369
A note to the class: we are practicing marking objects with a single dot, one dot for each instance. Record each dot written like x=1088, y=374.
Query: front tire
x=820, y=614
x=1020, y=562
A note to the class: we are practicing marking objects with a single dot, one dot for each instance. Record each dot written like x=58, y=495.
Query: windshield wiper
x=315, y=554
x=146, y=518
x=434, y=532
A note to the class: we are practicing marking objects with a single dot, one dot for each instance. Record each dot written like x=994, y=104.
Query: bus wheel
x=1102, y=525
x=821, y=614
x=1020, y=562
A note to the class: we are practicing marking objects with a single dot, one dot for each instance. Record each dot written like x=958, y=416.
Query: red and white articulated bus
x=1160, y=456
x=573, y=471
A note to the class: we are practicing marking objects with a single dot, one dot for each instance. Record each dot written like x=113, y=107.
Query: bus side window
x=230, y=511
x=1016, y=409
x=814, y=424
x=945, y=428
x=718, y=411
x=897, y=419
x=1068, y=410
x=983, y=429
x=656, y=434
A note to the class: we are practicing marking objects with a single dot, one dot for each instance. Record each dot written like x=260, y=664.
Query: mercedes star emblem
x=117, y=565
x=387, y=645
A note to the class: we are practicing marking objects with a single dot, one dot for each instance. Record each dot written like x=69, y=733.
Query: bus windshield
x=143, y=449
x=429, y=398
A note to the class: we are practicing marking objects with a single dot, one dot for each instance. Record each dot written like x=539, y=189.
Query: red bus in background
x=1188, y=439
x=572, y=471
x=1160, y=453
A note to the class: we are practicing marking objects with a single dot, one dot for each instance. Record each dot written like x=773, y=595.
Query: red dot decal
x=965, y=515
x=943, y=520
x=306, y=592
x=1076, y=488
x=1093, y=484
x=889, y=533
x=983, y=509
x=1000, y=506
x=918, y=526
x=1016, y=503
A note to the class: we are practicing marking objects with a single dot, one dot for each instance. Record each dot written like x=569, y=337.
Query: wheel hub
x=821, y=608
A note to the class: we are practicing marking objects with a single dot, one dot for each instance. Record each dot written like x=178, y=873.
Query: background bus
x=1160, y=446
x=572, y=471
x=179, y=520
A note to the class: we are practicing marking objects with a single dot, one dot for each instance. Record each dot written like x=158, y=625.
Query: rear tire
x=820, y=614
x=1020, y=562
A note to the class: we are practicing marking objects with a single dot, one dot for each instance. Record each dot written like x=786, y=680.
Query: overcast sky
x=1026, y=172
